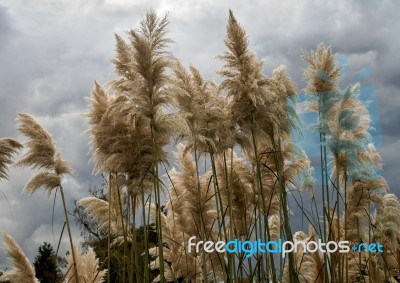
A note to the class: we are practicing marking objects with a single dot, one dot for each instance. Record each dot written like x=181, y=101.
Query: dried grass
x=23, y=271
x=8, y=147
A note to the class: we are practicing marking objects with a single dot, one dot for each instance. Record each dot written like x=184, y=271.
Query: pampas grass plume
x=87, y=265
x=23, y=271
x=8, y=147
x=42, y=154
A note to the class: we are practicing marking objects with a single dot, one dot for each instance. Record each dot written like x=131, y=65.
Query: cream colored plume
x=8, y=147
x=179, y=263
x=236, y=185
x=191, y=199
x=274, y=224
x=23, y=271
x=387, y=232
x=42, y=154
x=309, y=266
x=201, y=107
x=323, y=73
x=98, y=210
x=87, y=265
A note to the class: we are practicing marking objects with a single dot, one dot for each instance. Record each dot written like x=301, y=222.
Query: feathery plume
x=47, y=181
x=103, y=211
x=248, y=92
x=236, y=183
x=98, y=210
x=203, y=109
x=387, y=232
x=23, y=271
x=41, y=148
x=274, y=223
x=87, y=265
x=42, y=154
x=193, y=202
x=309, y=266
x=121, y=142
x=323, y=73
x=8, y=147
x=179, y=263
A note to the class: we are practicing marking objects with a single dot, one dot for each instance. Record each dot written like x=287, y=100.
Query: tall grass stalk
x=42, y=153
x=220, y=210
x=253, y=115
x=263, y=221
x=146, y=277
x=232, y=223
x=124, y=226
x=284, y=207
x=157, y=202
x=69, y=235
x=109, y=232
x=134, y=246
x=202, y=224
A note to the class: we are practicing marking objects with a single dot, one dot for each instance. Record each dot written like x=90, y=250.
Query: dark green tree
x=46, y=268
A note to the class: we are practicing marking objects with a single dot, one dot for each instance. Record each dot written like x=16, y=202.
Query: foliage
x=46, y=265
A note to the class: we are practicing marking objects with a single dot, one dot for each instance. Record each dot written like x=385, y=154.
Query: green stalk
x=340, y=267
x=109, y=232
x=321, y=139
x=125, y=237
x=145, y=238
x=359, y=254
x=231, y=263
x=130, y=263
x=134, y=248
x=202, y=225
x=69, y=234
x=369, y=236
x=345, y=224
x=157, y=201
x=145, y=226
x=288, y=233
x=331, y=266
x=262, y=207
x=220, y=210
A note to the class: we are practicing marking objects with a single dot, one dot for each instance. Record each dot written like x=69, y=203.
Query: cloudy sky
x=51, y=51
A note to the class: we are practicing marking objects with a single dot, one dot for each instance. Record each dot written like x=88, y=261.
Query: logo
x=279, y=247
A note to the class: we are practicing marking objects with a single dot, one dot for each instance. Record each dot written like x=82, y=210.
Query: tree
x=96, y=237
x=46, y=267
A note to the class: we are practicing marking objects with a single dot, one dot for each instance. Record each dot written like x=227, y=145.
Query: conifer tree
x=46, y=264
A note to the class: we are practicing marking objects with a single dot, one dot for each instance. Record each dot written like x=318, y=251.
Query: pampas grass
x=98, y=210
x=23, y=271
x=191, y=211
x=8, y=147
x=43, y=154
x=309, y=266
x=238, y=168
x=262, y=108
x=87, y=265
x=355, y=162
